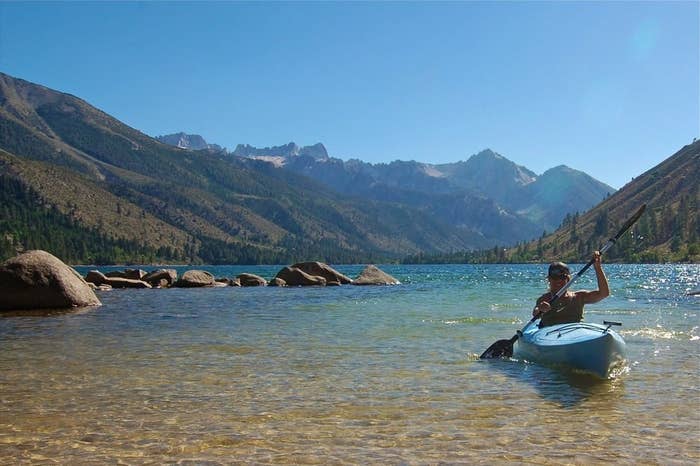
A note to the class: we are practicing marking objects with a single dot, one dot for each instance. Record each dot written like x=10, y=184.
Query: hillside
x=668, y=231
x=168, y=204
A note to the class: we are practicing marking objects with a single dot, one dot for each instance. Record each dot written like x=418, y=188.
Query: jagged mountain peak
x=487, y=154
x=287, y=150
x=486, y=174
x=487, y=159
x=568, y=174
x=560, y=169
x=187, y=141
x=317, y=151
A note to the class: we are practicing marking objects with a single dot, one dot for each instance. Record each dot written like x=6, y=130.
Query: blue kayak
x=592, y=348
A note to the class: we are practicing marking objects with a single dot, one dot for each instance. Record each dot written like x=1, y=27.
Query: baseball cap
x=558, y=270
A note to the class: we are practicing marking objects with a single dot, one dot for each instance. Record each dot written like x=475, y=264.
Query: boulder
x=277, y=282
x=103, y=287
x=320, y=269
x=162, y=283
x=118, y=282
x=114, y=280
x=249, y=279
x=96, y=277
x=297, y=277
x=161, y=278
x=195, y=279
x=131, y=274
x=39, y=280
x=371, y=275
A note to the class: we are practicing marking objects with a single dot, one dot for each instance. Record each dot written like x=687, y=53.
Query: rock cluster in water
x=300, y=274
x=39, y=280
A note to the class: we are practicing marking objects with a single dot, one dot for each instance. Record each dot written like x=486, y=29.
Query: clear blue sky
x=610, y=88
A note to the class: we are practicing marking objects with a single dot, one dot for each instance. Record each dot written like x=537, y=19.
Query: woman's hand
x=541, y=308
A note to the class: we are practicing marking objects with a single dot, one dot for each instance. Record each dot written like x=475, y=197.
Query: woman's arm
x=603, y=291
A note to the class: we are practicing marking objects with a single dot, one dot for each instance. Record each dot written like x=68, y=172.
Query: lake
x=350, y=375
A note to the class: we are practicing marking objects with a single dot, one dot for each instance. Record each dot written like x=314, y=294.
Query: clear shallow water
x=349, y=375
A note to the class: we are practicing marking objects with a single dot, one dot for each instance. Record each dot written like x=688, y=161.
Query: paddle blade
x=500, y=349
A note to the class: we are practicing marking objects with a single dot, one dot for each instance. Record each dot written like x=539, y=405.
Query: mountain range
x=96, y=190
x=472, y=194
x=667, y=231
x=100, y=191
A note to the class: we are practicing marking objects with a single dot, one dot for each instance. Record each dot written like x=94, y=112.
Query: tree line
x=27, y=222
x=665, y=233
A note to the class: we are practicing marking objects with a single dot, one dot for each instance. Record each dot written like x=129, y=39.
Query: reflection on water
x=345, y=375
x=45, y=312
x=567, y=388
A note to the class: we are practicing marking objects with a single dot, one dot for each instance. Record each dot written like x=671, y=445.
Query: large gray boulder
x=293, y=276
x=38, y=280
x=162, y=278
x=250, y=279
x=195, y=279
x=277, y=282
x=96, y=277
x=114, y=281
x=319, y=269
x=371, y=275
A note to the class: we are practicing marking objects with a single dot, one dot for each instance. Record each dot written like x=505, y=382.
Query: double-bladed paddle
x=504, y=348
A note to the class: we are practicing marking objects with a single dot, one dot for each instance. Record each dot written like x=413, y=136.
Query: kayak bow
x=580, y=346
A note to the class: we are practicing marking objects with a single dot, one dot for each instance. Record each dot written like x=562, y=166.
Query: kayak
x=592, y=348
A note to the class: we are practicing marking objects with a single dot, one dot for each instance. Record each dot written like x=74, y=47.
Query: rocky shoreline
x=39, y=280
x=299, y=274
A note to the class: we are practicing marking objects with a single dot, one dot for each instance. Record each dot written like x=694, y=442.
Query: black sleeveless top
x=567, y=309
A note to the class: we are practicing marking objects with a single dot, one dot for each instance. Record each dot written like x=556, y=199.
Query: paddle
x=504, y=348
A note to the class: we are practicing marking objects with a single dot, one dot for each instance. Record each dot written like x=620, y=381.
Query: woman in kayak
x=569, y=307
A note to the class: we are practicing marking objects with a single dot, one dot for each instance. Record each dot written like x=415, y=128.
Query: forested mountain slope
x=163, y=203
